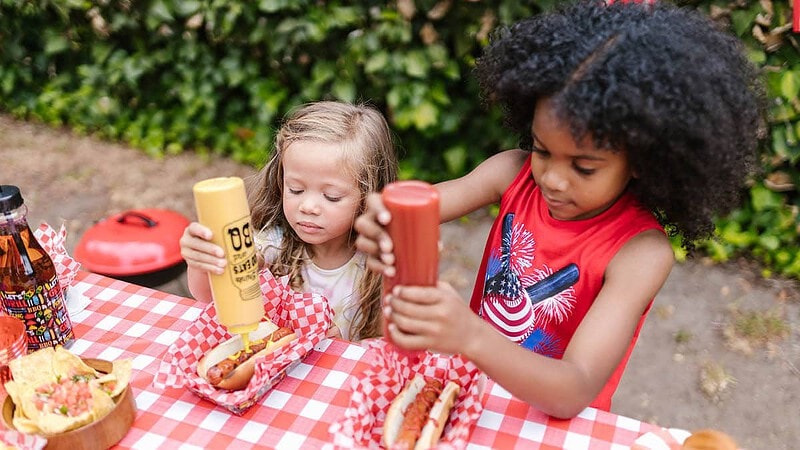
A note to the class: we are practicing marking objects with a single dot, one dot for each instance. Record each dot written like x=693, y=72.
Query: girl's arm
x=198, y=284
x=202, y=257
x=437, y=319
x=483, y=186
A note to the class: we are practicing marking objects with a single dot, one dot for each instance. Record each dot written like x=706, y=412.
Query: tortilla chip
x=122, y=370
x=14, y=391
x=48, y=423
x=35, y=368
x=60, y=366
x=102, y=403
x=67, y=364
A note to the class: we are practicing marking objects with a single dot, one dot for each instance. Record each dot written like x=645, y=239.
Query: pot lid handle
x=145, y=219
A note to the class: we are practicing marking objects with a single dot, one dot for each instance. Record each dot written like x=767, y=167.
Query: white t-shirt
x=339, y=286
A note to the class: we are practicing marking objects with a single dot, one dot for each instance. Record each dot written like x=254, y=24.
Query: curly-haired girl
x=632, y=117
x=327, y=157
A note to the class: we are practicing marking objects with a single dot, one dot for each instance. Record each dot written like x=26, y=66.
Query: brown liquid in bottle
x=29, y=286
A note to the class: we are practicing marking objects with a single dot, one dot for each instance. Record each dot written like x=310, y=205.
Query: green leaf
x=416, y=65
x=186, y=7
x=55, y=44
x=769, y=242
x=377, y=62
x=161, y=12
x=764, y=199
x=456, y=159
x=743, y=20
x=272, y=6
x=790, y=85
x=791, y=137
x=779, y=146
x=425, y=115
x=733, y=234
x=717, y=251
x=756, y=56
x=344, y=90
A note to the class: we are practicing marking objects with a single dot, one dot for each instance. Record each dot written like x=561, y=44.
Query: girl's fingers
x=377, y=209
x=410, y=325
x=199, y=230
x=205, y=267
x=202, y=260
x=406, y=340
x=422, y=295
x=373, y=240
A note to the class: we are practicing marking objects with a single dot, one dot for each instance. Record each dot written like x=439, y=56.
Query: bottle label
x=242, y=259
x=44, y=311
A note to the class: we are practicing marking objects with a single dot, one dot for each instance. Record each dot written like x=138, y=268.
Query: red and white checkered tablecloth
x=129, y=321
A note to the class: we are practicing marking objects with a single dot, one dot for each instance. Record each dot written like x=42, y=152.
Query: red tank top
x=539, y=276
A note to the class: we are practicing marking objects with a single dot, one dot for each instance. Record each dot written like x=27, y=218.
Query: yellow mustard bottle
x=221, y=205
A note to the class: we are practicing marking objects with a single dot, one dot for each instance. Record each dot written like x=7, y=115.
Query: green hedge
x=217, y=75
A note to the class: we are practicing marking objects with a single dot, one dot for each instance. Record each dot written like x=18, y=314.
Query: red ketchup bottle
x=414, y=230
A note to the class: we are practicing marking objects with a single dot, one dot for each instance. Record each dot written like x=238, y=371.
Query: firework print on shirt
x=520, y=299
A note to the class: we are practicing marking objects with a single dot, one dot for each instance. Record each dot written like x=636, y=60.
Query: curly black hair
x=661, y=83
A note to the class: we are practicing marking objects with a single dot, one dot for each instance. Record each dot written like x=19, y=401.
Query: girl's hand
x=432, y=318
x=199, y=252
x=334, y=332
x=373, y=240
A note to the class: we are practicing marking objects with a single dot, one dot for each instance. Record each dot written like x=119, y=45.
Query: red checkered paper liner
x=309, y=315
x=663, y=439
x=21, y=441
x=54, y=243
x=375, y=388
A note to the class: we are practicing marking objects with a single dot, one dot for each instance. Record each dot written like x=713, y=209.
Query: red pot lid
x=134, y=242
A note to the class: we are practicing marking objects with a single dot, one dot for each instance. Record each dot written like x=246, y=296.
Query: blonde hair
x=362, y=132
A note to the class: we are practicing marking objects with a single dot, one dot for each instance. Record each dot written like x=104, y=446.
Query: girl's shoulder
x=493, y=176
x=506, y=161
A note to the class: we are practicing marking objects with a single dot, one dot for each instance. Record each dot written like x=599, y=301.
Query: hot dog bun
x=437, y=418
x=425, y=431
x=240, y=376
x=394, y=416
x=708, y=439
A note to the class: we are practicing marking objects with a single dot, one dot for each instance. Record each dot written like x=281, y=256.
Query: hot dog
x=230, y=366
x=417, y=416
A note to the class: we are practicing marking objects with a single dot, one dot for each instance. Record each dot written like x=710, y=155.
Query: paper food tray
x=375, y=388
x=309, y=315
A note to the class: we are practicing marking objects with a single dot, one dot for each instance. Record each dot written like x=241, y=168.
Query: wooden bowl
x=98, y=435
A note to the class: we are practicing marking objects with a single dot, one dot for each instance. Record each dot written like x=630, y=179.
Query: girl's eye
x=295, y=191
x=332, y=198
x=584, y=171
x=539, y=151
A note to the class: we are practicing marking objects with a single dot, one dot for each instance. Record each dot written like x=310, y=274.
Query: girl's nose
x=553, y=180
x=308, y=205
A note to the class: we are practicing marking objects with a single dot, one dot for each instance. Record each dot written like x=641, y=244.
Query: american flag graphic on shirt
x=518, y=299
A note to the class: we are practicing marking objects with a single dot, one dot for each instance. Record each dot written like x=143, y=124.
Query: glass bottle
x=29, y=286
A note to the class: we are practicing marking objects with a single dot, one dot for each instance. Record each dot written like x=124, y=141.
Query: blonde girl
x=327, y=157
